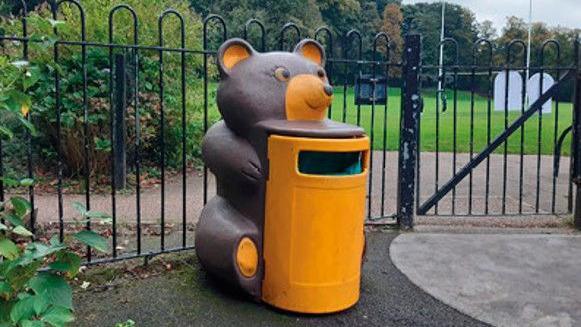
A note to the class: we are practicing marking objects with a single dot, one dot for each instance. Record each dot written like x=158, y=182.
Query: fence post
x=409, y=121
x=576, y=141
x=119, y=136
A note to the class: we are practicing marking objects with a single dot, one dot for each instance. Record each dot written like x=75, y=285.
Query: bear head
x=256, y=87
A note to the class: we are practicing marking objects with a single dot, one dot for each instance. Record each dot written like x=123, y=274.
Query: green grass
x=428, y=123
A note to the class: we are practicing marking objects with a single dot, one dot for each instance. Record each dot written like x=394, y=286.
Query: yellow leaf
x=24, y=110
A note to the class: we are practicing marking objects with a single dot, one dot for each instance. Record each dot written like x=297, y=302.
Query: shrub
x=69, y=70
x=33, y=275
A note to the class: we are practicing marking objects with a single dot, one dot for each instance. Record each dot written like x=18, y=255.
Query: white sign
x=515, y=91
x=534, y=87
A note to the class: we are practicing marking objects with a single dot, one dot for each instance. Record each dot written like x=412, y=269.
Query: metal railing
x=394, y=191
x=124, y=89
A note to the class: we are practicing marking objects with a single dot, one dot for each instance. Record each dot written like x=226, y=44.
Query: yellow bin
x=313, y=232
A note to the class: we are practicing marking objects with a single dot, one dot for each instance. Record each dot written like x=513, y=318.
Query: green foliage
x=97, y=16
x=16, y=79
x=40, y=99
x=29, y=296
x=425, y=19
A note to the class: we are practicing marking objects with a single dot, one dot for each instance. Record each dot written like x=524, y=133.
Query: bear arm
x=230, y=157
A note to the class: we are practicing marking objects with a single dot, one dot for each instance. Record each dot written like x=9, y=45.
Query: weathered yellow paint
x=306, y=98
x=247, y=257
x=313, y=232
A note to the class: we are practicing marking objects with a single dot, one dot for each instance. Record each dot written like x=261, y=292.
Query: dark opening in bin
x=330, y=163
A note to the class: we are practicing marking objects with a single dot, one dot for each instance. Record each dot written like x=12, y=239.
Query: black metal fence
x=150, y=221
x=512, y=162
x=372, y=89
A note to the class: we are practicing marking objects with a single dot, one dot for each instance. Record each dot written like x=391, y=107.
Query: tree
x=272, y=13
x=381, y=4
x=486, y=30
x=425, y=19
x=391, y=25
x=515, y=28
x=369, y=24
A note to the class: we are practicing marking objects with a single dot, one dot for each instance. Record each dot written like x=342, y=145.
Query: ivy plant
x=34, y=275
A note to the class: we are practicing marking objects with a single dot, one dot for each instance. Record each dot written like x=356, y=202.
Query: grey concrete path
x=502, y=279
x=151, y=205
x=187, y=297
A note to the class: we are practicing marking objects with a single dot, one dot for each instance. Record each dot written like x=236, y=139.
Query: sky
x=553, y=12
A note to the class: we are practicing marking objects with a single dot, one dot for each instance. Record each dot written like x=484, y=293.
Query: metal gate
x=510, y=175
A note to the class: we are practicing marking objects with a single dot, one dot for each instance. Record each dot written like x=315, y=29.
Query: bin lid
x=306, y=128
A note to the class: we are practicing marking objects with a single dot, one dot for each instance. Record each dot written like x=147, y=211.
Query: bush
x=69, y=70
x=29, y=296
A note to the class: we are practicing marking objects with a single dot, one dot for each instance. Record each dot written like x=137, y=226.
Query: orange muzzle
x=307, y=98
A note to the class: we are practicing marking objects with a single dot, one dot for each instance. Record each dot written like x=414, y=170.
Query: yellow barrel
x=313, y=232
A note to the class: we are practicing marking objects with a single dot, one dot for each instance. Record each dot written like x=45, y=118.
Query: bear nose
x=328, y=89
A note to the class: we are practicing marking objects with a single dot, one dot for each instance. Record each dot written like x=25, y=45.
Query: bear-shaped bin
x=286, y=224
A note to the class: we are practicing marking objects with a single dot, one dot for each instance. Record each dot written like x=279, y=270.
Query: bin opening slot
x=330, y=163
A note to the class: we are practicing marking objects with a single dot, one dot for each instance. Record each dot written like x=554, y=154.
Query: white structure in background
x=515, y=91
x=534, y=86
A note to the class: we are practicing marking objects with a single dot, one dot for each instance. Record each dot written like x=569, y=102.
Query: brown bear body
x=259, y=93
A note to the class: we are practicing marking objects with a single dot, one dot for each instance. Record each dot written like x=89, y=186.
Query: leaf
x=15, y=221
x=8, y=249
x=93, y=240
x=97, y=215
x=20, y=230
x=15, y=101
x=22, y=309
x=40, y=251
x=20, y=63
x=26, y=182
x=41, y=303
x=57, y=290
x=80, y=208
x=5, y=308
x=9, y=182
x=54, y=241
x=7, y=132
x=3, y=227
x=58, y=316
x=31, y=77
x=32, y=323
x=5, y=288
x=67, y=262
x=28, y=125
x=19, y=275
x=24, y=110
x=55, y=23
x=21, y=206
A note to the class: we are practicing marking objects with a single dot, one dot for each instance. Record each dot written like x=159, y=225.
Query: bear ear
x=232, y=52
x=311, y=50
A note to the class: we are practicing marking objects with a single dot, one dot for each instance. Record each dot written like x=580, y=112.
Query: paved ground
x=505, y=280
x=151, y=205
x=186, y=297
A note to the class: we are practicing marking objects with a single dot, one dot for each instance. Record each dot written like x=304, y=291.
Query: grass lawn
x=428, y=123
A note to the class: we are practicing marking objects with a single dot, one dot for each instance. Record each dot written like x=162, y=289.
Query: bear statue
x=259, y=94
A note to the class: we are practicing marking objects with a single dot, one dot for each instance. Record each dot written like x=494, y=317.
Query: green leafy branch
x=33, y=275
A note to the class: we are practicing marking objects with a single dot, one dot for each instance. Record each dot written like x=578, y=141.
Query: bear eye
x=282, y=74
